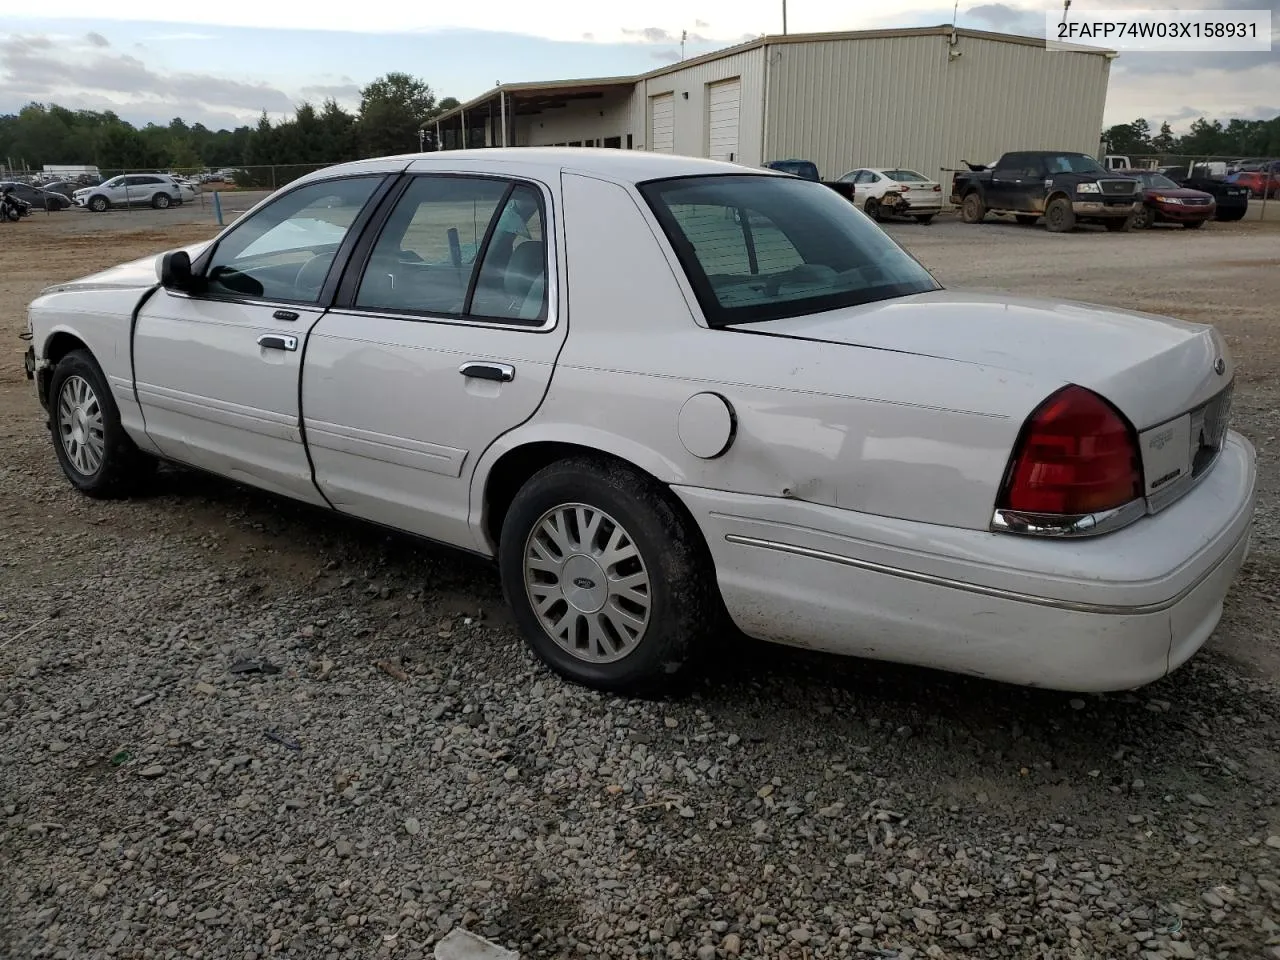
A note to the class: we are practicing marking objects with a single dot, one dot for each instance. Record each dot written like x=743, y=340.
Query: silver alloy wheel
x=80, y=425
x=587, y=583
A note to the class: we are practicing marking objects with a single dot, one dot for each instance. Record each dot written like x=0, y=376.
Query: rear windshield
x=763, y=248
x=905, y=176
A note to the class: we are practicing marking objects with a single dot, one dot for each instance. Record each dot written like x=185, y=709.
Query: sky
x=222, y=64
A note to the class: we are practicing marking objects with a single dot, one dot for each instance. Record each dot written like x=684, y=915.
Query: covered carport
x=568, y=112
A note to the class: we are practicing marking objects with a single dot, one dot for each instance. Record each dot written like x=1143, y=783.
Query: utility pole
x=684, y=35
x=784, y=17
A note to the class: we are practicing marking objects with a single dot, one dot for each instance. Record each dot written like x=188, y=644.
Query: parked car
x=1166, y=202
x=896, y=192
x=38, y=198
x=1065, y=188
x=65, y=188
x=1258, y=183
x=1034, y=491
x=130, y=190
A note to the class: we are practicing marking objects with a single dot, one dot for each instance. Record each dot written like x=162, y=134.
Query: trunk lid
x=1171, y=378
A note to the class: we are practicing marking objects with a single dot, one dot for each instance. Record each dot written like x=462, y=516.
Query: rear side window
x=763, y=248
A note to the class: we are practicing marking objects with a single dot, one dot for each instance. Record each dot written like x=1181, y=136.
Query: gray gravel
x=398, y=767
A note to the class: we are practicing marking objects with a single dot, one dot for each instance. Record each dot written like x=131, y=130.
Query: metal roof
x=567, y=89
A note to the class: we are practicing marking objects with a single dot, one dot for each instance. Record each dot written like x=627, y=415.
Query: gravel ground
x=392, y=764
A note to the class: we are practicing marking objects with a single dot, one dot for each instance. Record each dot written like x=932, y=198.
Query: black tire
x=99, y=204
x=1192, y=224
x=13, y=214
x=684, y=605
x=972, y=209
x=872, y=209
x=1143, y=218
x=1058, y=216
x=122, y=467
x=1116, y=225
x=1026, y=219
x=925, y=218
x=161, y=201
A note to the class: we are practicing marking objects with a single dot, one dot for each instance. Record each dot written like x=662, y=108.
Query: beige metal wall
x=905, y=101
x=579, y=120
x=691, y=134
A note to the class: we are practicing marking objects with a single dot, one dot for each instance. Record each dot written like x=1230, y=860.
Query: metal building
x=925, y=98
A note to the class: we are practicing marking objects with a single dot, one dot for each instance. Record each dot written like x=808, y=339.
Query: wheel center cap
x=584, y=583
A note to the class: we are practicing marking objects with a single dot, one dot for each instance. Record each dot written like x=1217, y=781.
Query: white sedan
x=671, y=395
x=895, y=191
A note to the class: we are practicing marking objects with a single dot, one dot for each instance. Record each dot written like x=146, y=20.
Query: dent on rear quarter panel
x=868, y=430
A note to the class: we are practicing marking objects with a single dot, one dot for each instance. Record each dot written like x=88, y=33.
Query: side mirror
x=175, y=270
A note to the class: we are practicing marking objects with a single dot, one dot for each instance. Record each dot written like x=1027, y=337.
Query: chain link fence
x=203, y=194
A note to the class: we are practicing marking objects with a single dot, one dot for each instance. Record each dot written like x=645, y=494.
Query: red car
x=1166, y=202
x=1258, y=182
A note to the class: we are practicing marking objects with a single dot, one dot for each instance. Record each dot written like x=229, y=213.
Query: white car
x=662, y=391
x=918, y=196
x=157, y=190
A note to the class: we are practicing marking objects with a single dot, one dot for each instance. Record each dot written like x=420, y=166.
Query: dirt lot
x=794, y=807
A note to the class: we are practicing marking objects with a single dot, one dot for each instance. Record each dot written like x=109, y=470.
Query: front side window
x=461, y=247
x=285, y=250
x=762, y=248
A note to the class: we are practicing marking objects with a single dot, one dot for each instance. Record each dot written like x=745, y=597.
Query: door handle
x=284, y=315
x=276, y=341
x=501, y=372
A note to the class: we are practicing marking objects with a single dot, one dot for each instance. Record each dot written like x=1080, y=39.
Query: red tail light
x=904, y=189
x=937, y=187
x=1076, y=455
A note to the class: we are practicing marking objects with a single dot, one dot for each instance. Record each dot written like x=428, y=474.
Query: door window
x=461, y=247
x=285, y=250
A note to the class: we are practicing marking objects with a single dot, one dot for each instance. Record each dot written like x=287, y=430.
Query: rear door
x=443, y=337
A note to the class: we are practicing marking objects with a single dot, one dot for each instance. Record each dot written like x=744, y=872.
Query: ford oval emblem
x=583, y=583
x=1220, y=366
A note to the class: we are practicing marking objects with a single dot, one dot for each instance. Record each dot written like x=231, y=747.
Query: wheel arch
x=509, y=463
x=57, y=345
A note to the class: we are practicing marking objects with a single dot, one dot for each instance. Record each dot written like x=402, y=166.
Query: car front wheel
x=609, y=581
x=98, y=204
x=93, y=449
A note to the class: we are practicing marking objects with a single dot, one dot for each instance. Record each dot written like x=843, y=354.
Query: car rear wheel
x=972, y=209
x=99, y=204
x=1059, y=217
x=609, y=581
x=925, y=218
x=93, y=449
x=161, y=201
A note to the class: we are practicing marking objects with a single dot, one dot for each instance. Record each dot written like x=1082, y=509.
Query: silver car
x=131, y=190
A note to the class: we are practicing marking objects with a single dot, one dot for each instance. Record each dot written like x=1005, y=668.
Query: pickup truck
x=808, y=170
x=1063, y=187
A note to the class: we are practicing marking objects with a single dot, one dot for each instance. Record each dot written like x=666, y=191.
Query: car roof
x=620, y=166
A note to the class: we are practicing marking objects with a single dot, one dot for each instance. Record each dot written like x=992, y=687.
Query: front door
x=217, y=370
x=444, y=336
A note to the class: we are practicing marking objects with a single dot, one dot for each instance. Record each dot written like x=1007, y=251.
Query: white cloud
x=567, y=20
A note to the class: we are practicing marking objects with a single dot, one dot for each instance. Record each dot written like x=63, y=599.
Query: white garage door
x=662, y=131
x=724, y=101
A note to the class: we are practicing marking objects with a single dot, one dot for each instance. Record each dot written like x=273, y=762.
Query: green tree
x=393, y=109
x=1163, y=141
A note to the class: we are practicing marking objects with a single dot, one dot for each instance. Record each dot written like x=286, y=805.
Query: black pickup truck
x=808, y=170
x=1065, y=188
